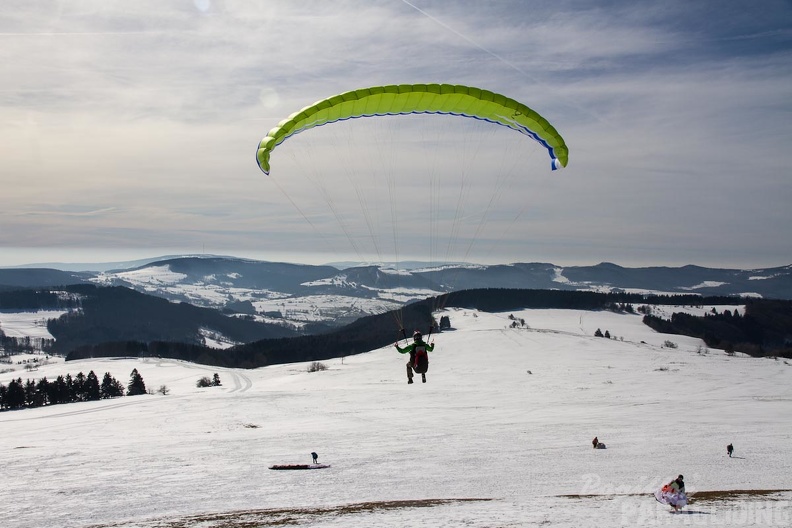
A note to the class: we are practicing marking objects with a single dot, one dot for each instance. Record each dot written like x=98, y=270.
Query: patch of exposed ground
x=699, y=496
x=730, y=495
x=282, y=516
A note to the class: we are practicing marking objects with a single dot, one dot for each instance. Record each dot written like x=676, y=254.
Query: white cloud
x=676, y=121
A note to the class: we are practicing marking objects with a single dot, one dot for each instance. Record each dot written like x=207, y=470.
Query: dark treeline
x=66, y=389
x=765, y=329
x=369, y=333
x=500, y=300
x=34, y=300
x=21, y=345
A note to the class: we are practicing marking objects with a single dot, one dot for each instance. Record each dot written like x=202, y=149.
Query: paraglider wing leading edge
x=402, y=99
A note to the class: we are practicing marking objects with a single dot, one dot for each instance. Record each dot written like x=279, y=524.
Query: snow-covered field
x=28, y=324
x=500, y=436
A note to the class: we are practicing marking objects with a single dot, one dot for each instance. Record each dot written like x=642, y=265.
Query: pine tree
x=30, y=392
x=42, y=392
x=111, y=387
x=136, y=385
x=70, y=389
x=15, y=395
x=79, y=387
x=92, y=390
x=59, y=393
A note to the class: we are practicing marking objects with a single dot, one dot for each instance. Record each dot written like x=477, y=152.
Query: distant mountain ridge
x=13, y=278
x=301, y=293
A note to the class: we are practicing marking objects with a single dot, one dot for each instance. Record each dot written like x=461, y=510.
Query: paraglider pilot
x=315, y=457
x=678, y=487
x=730, y=449
x=419, y=359
x=673, y=494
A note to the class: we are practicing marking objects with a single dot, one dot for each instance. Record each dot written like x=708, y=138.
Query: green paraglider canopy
x=401, y=99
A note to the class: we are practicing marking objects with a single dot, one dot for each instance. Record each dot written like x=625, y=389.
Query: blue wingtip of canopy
x=555, y=164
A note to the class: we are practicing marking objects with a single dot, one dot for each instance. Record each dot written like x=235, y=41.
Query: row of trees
x=67, y=389
x=22, y=345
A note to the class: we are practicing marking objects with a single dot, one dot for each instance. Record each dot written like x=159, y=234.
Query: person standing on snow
x=419, y=359
x=315, y=457
x=673, y=494
x=678, y=484
x=730, y=449
x=678, y=487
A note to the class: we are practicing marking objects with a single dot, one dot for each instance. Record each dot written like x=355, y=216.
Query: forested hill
x=765, y=329
x=116, y=314
x=376, y=331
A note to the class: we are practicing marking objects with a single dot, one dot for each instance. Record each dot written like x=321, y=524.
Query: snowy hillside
x=500, y=436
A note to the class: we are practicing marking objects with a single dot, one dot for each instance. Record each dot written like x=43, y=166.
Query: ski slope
x=500, y=436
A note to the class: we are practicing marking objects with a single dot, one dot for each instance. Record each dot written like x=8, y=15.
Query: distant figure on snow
x=595, y=442
x=730, y=449
x=419, y=359
x=315, y=458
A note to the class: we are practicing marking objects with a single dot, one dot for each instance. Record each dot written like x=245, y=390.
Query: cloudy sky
x=129, y=129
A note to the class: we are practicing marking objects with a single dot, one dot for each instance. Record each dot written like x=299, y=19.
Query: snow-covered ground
x=500, y=436
x=28, y=324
